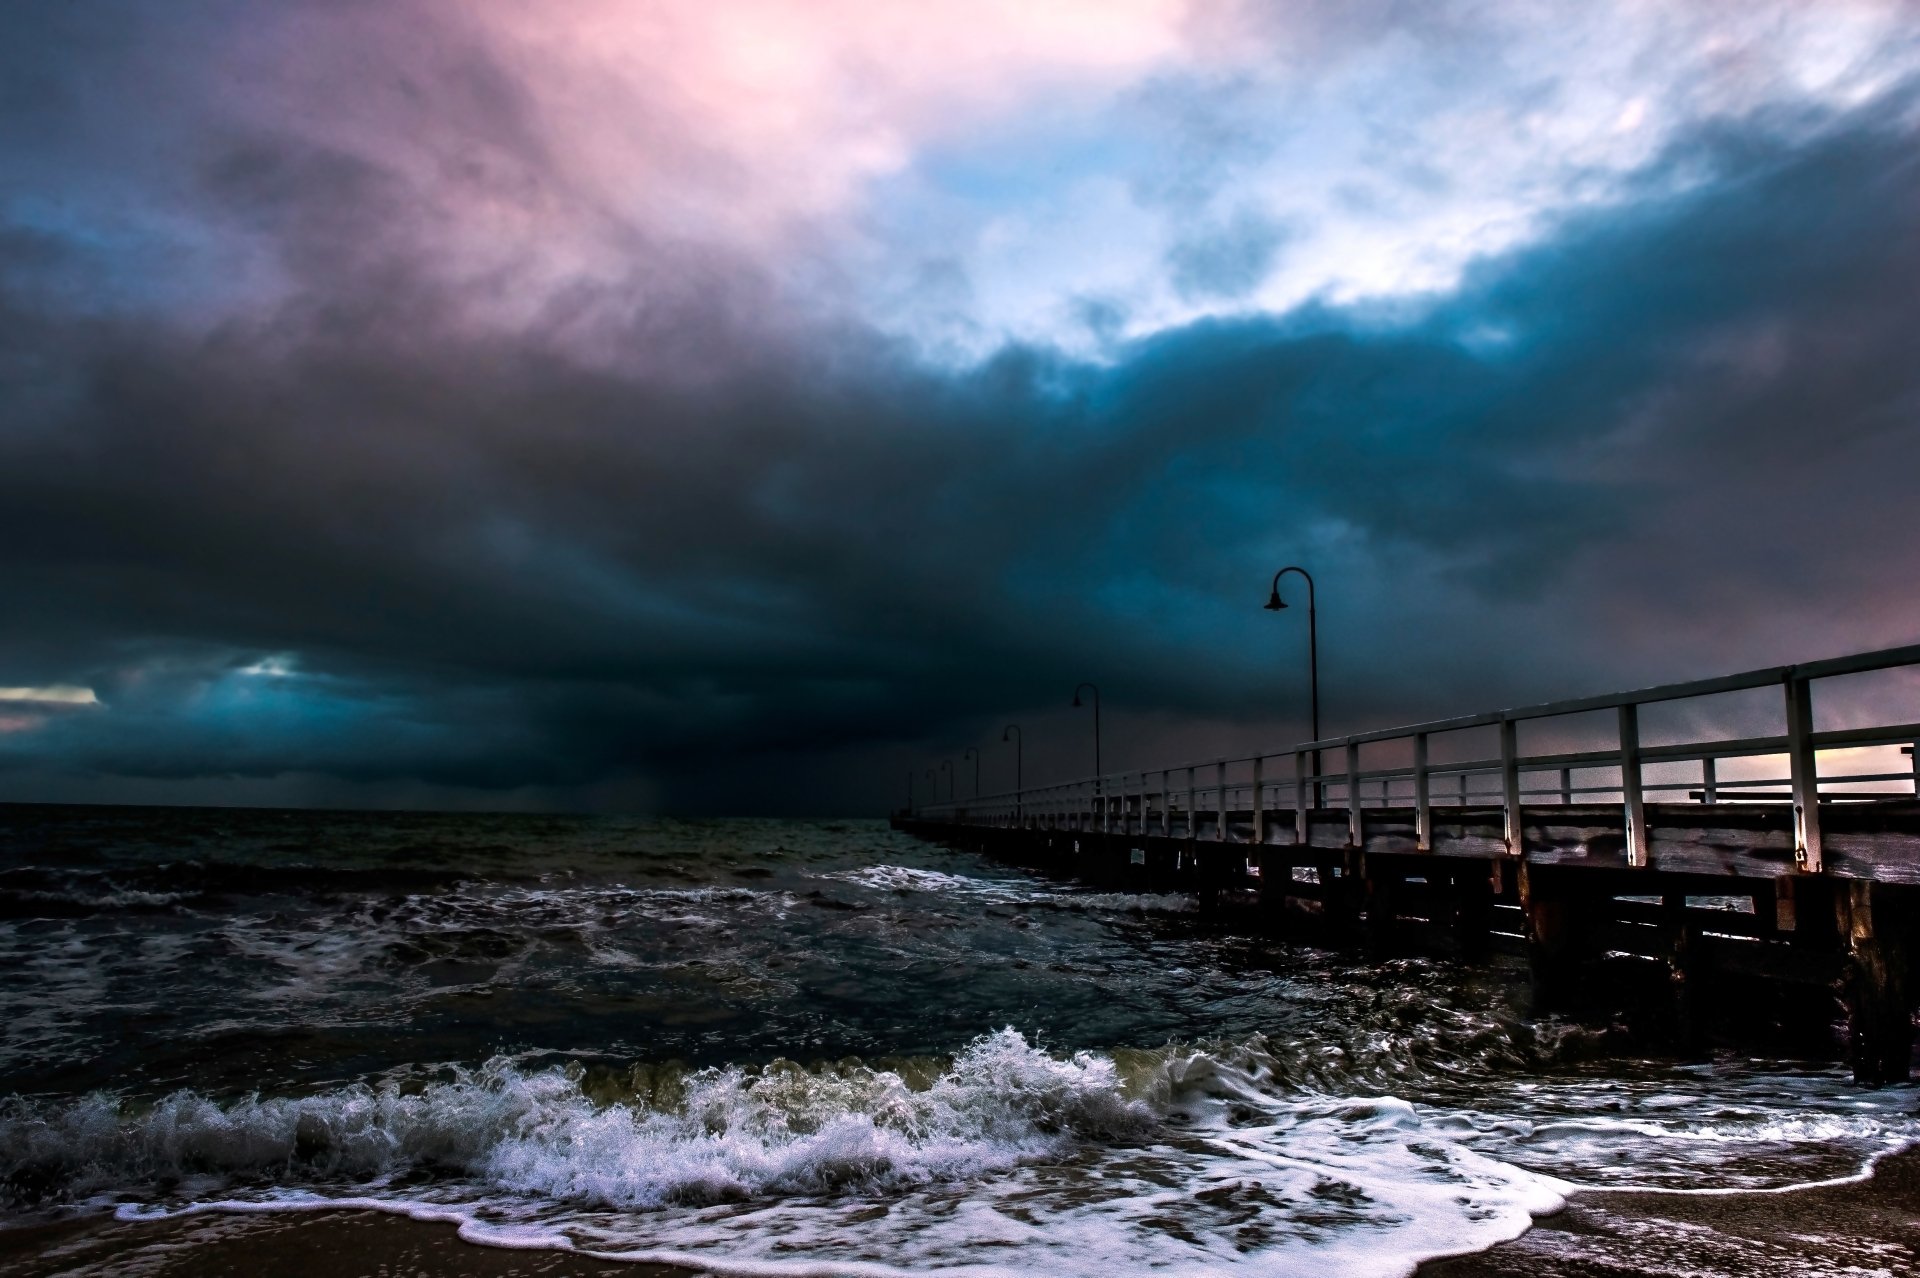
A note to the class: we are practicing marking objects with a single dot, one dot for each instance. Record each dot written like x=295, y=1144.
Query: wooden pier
x=1791, y=902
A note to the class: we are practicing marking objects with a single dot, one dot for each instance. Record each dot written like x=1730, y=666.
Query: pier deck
x=1796, y=894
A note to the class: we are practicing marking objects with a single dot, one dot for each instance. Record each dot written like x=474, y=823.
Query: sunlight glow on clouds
x=1387, y=156
x=961, y=173
x=58, y=694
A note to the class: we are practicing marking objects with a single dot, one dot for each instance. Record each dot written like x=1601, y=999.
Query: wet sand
x=1858, y=1230
x=329, y=1244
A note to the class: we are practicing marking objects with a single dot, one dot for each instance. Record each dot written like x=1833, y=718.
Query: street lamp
x=948, y=765
x=975, y=752
x=1099, y=788
x=1019, y=786
x=1275, y=604
x=933, y=785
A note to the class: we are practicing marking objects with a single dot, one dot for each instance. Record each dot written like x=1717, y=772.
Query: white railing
x=1176, y=800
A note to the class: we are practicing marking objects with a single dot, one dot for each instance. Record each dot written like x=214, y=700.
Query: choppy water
x=799, y=1047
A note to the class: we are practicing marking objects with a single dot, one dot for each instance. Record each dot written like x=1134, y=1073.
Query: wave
x=1004, y=1158
x=67, y=892
x=704, y=1136
x=908, y=879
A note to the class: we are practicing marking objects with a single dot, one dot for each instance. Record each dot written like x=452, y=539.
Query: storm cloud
x=377, y=458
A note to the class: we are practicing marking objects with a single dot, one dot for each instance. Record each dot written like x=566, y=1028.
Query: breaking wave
x=907, y=879
x=1004, y=1157
x=658, y=1137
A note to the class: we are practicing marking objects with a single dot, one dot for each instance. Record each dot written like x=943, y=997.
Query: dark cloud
x=675, y=540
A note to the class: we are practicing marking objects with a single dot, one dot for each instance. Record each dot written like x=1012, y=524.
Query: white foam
x=903, y=878
x=1010, y=1160
x=1122, y=902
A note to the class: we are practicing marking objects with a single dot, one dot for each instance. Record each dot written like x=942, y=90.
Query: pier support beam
x=1561, y=934
x=1633, y=796
x=1878, y=922
x=1259, y=804
x=1686, y=977
x=1510, y=786
x=1220, y=801
x=1803, y=767
x=1422, y=798
x=1356, y=831
x=1473, y=893
x=1301, y=809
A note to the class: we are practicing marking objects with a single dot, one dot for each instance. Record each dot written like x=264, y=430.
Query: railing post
x=1166, y=803
x=1422, y=800
x=1356, y=831
x=1510, y=785
x=1709, y=781
x=1632, y=796
x=1300, y=809
x=1566, y=786
x=1804, y=768
x=1259, y=805
x=1220, y=801
x=1913, y=752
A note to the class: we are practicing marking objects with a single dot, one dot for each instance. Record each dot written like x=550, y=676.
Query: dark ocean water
x=769, y=1044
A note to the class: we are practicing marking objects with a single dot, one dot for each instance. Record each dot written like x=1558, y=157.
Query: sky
x=738, y=406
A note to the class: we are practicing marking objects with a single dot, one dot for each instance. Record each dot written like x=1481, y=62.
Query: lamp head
x=1076, y=701
x=1003, y=734
x=1274, y=602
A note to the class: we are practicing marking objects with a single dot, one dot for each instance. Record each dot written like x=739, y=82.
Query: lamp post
x=1099, y=786
x=933, y=784
x=948, y=765
x=975, y=752
x=1019, y=785
x=1275, y=604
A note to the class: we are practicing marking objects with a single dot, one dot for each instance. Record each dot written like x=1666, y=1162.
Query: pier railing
x=1195, y=799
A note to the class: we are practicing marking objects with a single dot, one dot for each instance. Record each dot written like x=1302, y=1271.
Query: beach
x=1870, y=1227
x=1867, y=1228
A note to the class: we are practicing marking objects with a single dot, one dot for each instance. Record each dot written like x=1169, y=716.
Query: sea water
x=767, y=1047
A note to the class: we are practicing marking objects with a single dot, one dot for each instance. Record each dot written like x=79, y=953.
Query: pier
x=1772, y=879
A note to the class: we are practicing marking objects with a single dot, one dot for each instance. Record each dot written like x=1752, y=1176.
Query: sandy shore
x=1859, y=1230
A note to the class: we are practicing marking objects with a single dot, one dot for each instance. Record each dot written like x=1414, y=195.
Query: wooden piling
x=1474, y=888
x=1877, y=924
x=1560, y=935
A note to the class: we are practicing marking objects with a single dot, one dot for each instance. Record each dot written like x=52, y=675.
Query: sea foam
x=1008, y=1159
x=1004, y=1159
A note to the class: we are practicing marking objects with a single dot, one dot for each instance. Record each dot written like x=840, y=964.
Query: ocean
x=803, y=1047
